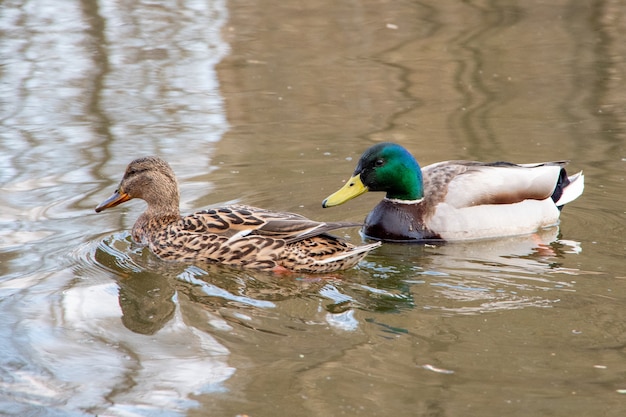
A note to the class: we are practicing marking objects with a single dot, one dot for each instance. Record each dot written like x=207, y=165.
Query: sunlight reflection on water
x=80, y=335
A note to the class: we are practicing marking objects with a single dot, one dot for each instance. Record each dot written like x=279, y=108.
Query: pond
x=271, y=104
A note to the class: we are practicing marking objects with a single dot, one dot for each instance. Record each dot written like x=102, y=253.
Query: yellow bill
x=353, y=188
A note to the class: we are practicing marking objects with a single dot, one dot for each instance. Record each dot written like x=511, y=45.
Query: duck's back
x=471, y=183
x=245, y=236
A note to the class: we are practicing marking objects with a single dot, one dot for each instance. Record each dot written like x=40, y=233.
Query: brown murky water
x=271, y=103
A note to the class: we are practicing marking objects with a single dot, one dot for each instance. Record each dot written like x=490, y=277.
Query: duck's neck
x=163, y=202
x=407, y=186
x=153, y=221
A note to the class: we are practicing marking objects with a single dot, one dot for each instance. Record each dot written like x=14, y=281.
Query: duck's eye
x=134, y=171
x=379, y=162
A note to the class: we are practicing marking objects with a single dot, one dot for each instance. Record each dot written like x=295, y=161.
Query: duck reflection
x=149, y=287
x=147, y=302
x=482, y=276
x=538, y=252
x=146, y=298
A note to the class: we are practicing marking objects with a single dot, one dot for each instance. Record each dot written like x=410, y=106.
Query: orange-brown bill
x=116, y=198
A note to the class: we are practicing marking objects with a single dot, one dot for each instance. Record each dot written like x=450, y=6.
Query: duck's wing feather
x=258, y=238
x=468, y=183
x=238, y=221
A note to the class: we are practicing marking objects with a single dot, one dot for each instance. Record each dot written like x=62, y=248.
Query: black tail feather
x=562, y=182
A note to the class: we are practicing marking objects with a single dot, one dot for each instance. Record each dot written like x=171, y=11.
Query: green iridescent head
x=384, y=167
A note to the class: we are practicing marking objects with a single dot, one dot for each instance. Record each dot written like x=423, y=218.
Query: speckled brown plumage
x=235, y=235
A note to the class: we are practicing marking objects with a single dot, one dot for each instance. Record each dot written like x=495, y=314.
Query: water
x=271, y=104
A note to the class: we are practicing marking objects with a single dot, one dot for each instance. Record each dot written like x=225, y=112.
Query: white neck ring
x=398, y=201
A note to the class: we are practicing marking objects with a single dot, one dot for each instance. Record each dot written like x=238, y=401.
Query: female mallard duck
x=456, y=200
x=233, y=235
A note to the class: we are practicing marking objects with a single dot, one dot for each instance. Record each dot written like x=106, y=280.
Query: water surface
x=270, y=104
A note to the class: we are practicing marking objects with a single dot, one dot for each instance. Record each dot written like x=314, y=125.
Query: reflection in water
x=161, y=87
x=73, y=354
x=148, y=284
x=146, y=303
x=186, y=360
x=146, y=299
x=483, y=276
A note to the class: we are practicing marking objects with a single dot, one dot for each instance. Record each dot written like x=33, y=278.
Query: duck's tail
x=568, y=188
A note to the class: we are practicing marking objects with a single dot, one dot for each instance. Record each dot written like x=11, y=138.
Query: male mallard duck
x=234, y=235
x=457, y=200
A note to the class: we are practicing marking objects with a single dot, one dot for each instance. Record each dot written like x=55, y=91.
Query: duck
x=235, y=235
x=456, y=200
